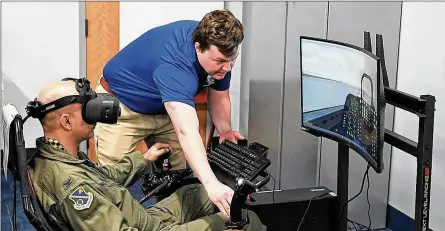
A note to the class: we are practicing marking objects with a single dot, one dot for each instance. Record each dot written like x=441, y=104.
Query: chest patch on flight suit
x=81, y=198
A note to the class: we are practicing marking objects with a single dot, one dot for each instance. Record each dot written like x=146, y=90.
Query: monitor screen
x=339, y=96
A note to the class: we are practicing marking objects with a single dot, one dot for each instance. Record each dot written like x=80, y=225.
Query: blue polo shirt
x=159, y=66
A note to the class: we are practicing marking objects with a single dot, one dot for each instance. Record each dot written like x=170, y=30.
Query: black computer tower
x=285, y=211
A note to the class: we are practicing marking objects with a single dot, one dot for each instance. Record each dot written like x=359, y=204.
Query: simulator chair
x=18, y=166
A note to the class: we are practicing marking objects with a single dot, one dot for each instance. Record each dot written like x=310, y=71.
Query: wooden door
x=102, y=43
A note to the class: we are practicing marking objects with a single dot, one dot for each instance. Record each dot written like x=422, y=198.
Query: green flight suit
x=84, y=196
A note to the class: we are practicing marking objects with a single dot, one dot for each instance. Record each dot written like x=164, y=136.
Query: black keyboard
x=237, y=161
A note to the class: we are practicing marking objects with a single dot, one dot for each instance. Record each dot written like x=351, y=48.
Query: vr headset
x=96, y=108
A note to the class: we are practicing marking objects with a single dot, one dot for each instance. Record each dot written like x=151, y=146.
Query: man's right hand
x=221, y=195
x=186, y=123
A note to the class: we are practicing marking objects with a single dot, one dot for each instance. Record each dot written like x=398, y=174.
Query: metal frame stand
x=424, y=108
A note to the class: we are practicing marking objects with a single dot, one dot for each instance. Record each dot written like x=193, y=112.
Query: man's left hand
x=233, y=136
x=156, y=151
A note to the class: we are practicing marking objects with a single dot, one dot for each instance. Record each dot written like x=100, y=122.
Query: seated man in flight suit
x=79, y=194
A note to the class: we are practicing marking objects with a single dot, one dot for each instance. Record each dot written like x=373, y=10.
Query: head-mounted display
x=96, y=108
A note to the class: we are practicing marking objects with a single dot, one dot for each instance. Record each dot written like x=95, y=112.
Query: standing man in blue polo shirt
x=156, y=78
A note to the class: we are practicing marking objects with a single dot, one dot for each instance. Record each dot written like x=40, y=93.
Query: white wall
x=235, y=90
x=421, y=71
x=40, y=43
x=138, y=17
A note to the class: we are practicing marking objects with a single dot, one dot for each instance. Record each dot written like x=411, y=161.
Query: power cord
x=369, y=204
x=309, y=204
x=360, y=192
x=273, y=192
x=357, y=227
x=369, y=210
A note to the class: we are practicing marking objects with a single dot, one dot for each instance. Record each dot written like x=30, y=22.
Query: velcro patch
x=67, y=183
x=81, y=198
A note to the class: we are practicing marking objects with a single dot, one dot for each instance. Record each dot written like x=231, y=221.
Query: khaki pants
x=192, y=210
x=113, y=141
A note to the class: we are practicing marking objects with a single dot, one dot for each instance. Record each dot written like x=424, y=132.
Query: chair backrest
x=18, y=166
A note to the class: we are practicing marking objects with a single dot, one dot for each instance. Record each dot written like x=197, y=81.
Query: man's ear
x=197, y=47
x=65, y=122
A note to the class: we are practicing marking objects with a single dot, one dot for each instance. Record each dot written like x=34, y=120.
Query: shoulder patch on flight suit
x=82, y=199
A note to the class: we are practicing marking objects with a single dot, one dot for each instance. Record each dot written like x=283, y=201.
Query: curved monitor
x=341, y=92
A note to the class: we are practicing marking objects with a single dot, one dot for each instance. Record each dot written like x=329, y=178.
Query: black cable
x=358, y=226
x=355, y=226
x=309, y=204
x=273, y=192
x=361, y=190
x=369, y=204
x=304, y=215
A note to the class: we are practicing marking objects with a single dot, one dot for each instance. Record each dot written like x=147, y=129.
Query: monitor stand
x=342, y=186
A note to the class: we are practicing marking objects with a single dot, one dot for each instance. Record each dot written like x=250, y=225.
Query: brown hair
x=221, y=29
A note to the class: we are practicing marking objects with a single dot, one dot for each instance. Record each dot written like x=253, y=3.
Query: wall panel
x=263, y=65
x=347, y=21
x=421, y=71
x=299, y=149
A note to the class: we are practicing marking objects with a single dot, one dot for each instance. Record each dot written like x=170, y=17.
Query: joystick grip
x=162, y=162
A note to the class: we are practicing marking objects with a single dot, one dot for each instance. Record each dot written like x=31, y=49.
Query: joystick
x=243, y=188
x=165, y=181
x=163, y=163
